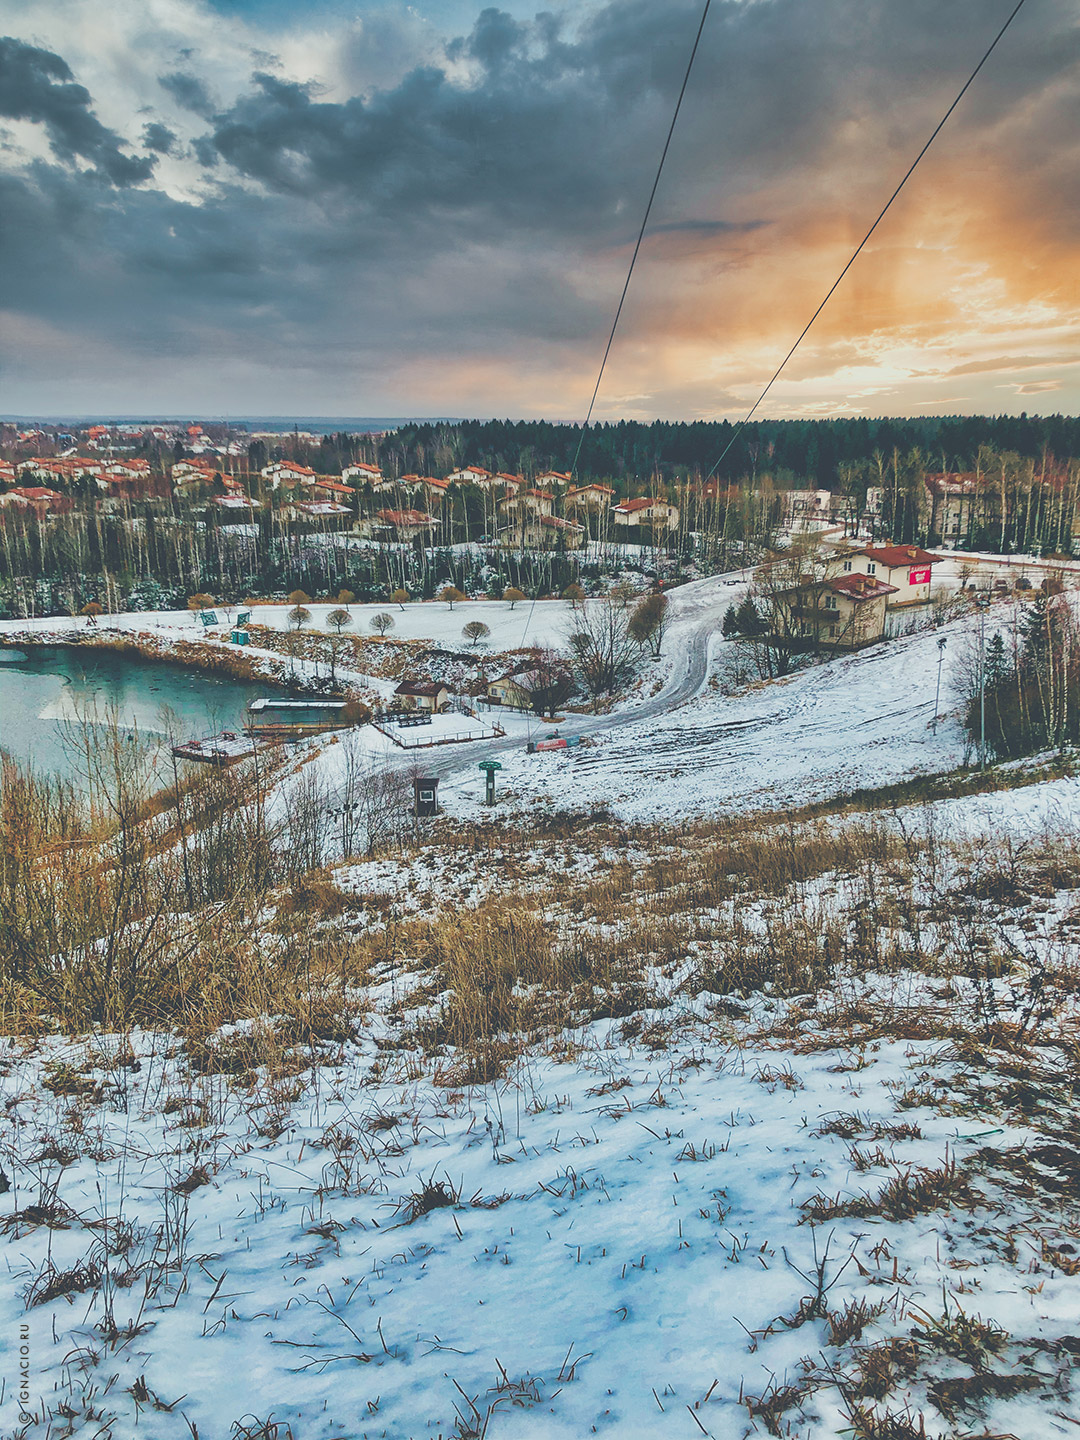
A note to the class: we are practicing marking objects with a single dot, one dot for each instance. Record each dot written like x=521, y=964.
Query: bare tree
x=476, y=633
x=601, y=645
x=373, y=804
x=382, y=622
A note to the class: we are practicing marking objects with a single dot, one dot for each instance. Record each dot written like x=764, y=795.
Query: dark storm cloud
x=159, y=137
x=38, y=86
x=188, y=91
x=560, y=132
x=485, y=202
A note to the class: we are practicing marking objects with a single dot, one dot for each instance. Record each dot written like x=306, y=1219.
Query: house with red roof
x=527, y=502
x=362, y=474
x=906, y=568
x=842, y=613
x=473, y=475
x=543, y=532
x=592, y=496
x=324, y=488
x=37, y=498
x=286, y=473
x=402, y=524
x=649, y=513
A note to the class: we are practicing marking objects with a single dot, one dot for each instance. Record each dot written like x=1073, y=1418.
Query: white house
x=472, y=475
x=427, y=695
x=285, y=472
x=527, y=503
x=653, y=514
x=590, y=497
x=543, y=532
x=904, y=567
x=361, y=474
x=843, y=613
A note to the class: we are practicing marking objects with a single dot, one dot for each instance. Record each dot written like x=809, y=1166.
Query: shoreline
x=149, y=649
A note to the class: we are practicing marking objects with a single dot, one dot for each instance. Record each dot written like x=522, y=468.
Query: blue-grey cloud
x=38, y=86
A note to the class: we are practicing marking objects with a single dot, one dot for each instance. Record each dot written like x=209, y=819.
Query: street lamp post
x=984, y=605
x=937, y=692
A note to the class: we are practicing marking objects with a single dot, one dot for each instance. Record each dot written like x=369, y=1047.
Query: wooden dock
x=225, y=749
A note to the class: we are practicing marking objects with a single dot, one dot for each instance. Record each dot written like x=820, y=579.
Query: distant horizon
x=361, y=423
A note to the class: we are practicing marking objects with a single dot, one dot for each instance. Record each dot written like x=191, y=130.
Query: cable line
x=911, y=170
x=641, y=233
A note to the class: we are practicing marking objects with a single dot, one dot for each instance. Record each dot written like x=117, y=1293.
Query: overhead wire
x=641, y=233
x=863, y=242
x=633, y=262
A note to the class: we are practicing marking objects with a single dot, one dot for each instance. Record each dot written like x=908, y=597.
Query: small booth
x=426, y=788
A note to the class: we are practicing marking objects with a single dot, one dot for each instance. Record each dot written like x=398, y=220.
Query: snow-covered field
x=545, y=622
x=718, y=1214
x=812, y=1173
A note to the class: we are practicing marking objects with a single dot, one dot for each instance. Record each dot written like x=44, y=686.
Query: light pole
x=983, y=604
x=937, y=692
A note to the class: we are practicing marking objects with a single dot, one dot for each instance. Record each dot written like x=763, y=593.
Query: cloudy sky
x=348, y=207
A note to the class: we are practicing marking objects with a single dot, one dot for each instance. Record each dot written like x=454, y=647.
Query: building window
x=847, y=564
x=832, y=632
x=871, y=569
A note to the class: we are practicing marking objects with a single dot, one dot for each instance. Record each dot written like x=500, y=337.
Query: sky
x=314, y=207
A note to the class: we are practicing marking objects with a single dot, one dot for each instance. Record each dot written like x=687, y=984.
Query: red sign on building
x=919, y=577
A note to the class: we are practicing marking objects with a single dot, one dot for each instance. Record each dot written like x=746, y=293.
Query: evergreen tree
x=748, y=619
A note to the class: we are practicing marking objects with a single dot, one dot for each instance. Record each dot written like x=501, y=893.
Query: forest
x=1000, y=484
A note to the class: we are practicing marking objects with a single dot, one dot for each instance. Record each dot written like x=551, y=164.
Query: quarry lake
x=45, y=693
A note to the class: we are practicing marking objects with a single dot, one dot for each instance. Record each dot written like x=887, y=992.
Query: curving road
x=696, y=613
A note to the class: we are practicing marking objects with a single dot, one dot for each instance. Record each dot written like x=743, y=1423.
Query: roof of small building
x=405, y=518
x=593, y=485
x=631, y=507
x=35, y=492
x=894, y=555
x=429, y=688
x=955, y=482
x=860, y=587
x=556, y=522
